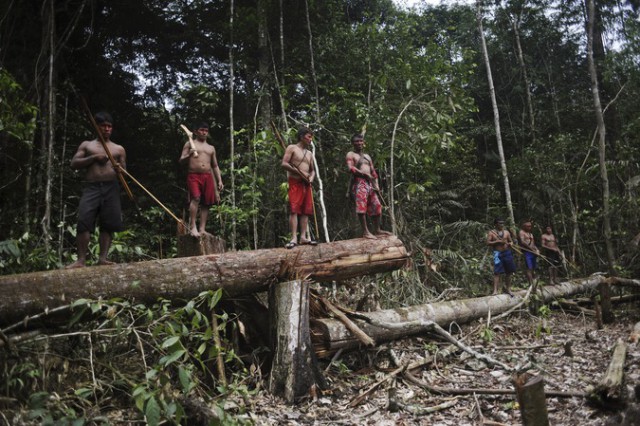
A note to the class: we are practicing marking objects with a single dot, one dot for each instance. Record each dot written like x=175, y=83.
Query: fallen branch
x=351, y=326
x=484, y=391
x=364, y=395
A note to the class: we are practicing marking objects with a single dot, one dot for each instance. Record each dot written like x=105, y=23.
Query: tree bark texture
x=291, y=373
x=609, y=392
x=236, y=273
x=532, y=400
x=205, y=244
x=330, y=335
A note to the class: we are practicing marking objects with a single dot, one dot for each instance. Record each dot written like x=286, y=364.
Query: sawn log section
x=236, y=273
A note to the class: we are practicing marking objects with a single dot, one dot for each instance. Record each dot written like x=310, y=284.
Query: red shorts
x=367, y=200
x=201, y=186
x=300, y=197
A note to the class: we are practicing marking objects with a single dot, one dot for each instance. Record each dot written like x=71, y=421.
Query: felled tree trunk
x=236, y=273
x=330, y=335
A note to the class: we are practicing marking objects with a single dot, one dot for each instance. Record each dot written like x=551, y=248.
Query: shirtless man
x=552, y=253
x=201, y=171
x=500, y=241
x=531, y=252
x=298, y=162
x=365, y=188
x=101, y=193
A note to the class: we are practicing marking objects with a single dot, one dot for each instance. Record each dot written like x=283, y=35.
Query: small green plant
x=487, y=334
x=544, y=311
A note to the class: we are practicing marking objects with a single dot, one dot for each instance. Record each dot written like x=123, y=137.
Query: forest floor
x=516, y=340
x=520, y=339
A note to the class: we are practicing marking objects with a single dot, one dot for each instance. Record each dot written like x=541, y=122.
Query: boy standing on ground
x=499, y=239
x=201, y=170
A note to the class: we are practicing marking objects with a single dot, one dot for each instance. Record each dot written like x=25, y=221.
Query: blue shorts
x=531, y=260
x=503, y=262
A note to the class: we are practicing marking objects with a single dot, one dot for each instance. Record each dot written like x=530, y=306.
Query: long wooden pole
x=180, y=221
x=115, y=165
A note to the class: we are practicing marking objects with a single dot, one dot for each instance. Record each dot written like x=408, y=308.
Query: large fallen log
x=330, y=335
x=236, y=273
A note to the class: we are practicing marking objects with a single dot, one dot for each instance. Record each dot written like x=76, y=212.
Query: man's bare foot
x=106, y=262
x=383, y=233
x=75, y=265
x=194, y=232
x=369, y=235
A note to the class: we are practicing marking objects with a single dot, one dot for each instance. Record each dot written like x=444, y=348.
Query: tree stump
x=291, y=374
x=532, y=400
x=205, y=244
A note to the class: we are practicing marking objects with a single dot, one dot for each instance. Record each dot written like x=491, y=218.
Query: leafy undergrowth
x=147, y=365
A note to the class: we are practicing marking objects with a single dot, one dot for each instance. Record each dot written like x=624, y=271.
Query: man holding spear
x=102, y=160
x=298, y=162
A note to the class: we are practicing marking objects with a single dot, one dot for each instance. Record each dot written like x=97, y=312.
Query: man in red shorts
x=298, y=162
x=201, y=170
x=364, y=188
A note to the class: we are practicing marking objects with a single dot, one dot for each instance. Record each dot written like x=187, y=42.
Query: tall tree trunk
x=50, y=126
x=62, y=208
x=496, y=115
x=323, y=209
x=394, y=227
x=515, y=23
x=231, y=127
x=602, y=146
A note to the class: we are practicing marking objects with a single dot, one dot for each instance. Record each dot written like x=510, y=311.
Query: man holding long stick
x=298, y=162
x=101, y=193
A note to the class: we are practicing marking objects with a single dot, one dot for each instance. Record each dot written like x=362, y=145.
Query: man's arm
x=215, y=170
x=186, y=153
x=81, y=159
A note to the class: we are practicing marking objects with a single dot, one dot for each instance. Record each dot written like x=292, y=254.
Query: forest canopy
x=413, y=80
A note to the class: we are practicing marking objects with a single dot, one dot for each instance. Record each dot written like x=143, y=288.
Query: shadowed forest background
x=414, y=80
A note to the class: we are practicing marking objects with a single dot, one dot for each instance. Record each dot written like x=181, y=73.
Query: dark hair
x=103, y=117
x=356, y=137
x=201, y=125
x=498, y=220
x=302, y=132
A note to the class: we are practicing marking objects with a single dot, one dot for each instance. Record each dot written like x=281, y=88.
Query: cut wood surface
x=236, y=273
x=329, y=335
x=610, y=390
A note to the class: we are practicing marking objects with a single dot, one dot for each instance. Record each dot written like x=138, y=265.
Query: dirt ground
x=518, y=340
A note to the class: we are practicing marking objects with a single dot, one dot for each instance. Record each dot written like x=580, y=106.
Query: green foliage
x=487, y=334
x=157, y=355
